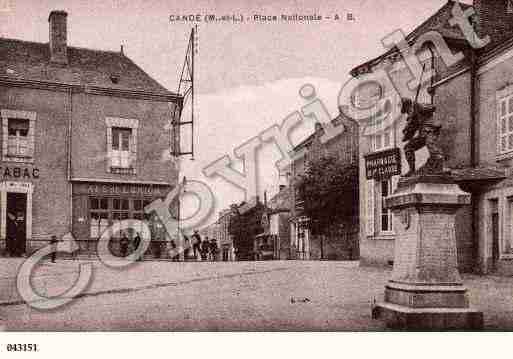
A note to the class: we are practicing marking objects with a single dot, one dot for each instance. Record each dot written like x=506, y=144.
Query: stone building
x=84, y=137
x=224, y=237
x=304, y=245
x=472, y=100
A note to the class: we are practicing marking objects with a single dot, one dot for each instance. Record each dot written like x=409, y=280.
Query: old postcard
x=255, y=166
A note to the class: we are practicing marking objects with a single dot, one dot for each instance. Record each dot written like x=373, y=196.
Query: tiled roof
x=307, y=141
x=439, y=22
x=31, y=61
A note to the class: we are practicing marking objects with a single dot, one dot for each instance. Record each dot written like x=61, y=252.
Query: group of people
x=203, y=249
x=198, y=249
x=124, y=243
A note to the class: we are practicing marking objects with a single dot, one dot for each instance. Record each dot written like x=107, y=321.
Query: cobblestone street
x=274, y=295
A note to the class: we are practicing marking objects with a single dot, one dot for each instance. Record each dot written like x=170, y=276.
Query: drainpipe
x=473, y=155
x=473, y=91
x=70, y=120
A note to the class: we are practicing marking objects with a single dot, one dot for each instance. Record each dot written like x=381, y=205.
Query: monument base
x=426, y=291
x=401, y=317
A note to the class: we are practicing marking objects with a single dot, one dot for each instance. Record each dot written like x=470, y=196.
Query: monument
x=425, y=291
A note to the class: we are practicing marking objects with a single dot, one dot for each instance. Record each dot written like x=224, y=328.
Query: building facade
x=472, y=103
x=245, y=226
x=304, y=245
x=84, y=136
x=279, y=223
x=227, y=251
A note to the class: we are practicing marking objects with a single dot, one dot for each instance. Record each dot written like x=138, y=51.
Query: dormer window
x=114, y=78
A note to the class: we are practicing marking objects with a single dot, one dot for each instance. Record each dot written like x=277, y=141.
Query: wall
x=89, y=143
x=51, y=207
x=452, y=102
x=493, y=78
x=489, y=82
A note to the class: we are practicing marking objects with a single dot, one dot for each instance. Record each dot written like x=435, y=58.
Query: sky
x=247, y=75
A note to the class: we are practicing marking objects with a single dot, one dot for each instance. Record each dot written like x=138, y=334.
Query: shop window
x=505, y=124
x=386, y=216
x=105, y=211
x=99, y=216
x=138, y=213
x=18, y=135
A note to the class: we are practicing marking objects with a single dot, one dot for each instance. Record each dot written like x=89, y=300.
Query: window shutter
x=499, y=150
x=395, y=180
x=369, y=211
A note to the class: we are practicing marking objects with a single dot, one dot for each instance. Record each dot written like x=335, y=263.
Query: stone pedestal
x=425, y=291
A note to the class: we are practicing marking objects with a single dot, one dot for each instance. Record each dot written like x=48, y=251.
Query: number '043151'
x=22, y=347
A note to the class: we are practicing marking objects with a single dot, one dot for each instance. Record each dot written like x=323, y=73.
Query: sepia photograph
x=255, y=166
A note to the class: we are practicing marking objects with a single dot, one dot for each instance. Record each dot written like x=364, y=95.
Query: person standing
x=137, y=243
x=186, y=248
x=123, y=245
x=196, y=244
x=53, y=242
x=173, y=252
x=204, y=249
x=213, y=249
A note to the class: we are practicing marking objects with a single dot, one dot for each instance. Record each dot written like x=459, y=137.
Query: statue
x=420, y=121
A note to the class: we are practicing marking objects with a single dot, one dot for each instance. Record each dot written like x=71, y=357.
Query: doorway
x=495, y=234
x=16, y=224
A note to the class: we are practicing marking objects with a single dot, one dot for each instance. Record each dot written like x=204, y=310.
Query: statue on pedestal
x=422, y=130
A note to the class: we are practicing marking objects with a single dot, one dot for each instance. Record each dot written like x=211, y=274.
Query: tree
x=329, y=190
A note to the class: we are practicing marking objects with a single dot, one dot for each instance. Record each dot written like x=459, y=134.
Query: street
x=228, y=296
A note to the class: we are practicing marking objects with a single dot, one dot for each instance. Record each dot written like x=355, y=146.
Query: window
x=104, y=211
x=509, y=7
x=120, y=155
x=121, y=145
x=18, y=135
x=18, y=144
x=386, y=214
x=505, y=124
x=382, y=140
x=369, y=208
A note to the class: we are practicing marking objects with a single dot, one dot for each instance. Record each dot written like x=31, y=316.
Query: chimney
x=58, y=37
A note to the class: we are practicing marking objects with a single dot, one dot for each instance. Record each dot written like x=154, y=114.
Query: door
x=16, y=224
x=495, y=240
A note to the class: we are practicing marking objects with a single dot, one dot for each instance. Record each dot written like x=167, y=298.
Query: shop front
x=98, y=205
